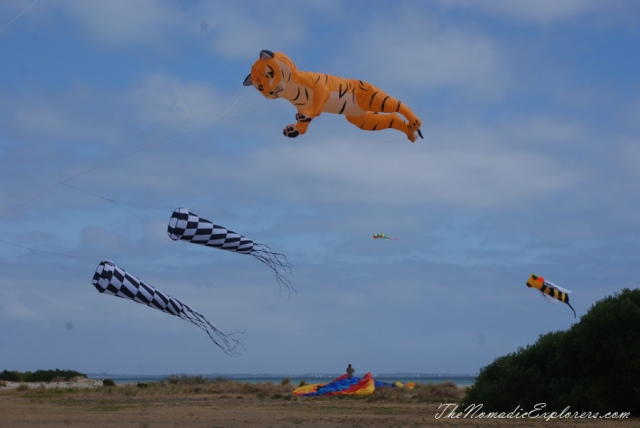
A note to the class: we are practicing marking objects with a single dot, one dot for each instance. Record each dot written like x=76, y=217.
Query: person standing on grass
x=350, y=371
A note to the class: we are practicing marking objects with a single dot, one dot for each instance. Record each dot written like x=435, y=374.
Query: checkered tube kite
x=187, y=226
x=110, y=279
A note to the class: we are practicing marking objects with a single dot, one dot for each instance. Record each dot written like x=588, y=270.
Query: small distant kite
x=553, y=293
x=187, y=226
x=110, y=279
x=383, y=236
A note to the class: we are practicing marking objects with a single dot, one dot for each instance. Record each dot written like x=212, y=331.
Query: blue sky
x=114, y=113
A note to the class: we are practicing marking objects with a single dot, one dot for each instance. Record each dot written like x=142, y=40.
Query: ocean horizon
x=460, y=380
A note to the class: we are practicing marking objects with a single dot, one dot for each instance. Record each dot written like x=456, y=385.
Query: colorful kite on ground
x=344, y=385
x=383, y=236
x=369, y=108
x=110, y=279
x=187, y=226
x=550, y=291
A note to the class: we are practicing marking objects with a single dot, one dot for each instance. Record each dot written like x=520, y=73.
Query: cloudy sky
x=114, y=113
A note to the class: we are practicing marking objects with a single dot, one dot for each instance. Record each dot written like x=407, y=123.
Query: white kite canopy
x=187, y=226
x=110, y=279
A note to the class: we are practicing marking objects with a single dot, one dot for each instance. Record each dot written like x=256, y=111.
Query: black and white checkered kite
x=187, y=226
x=110, y=279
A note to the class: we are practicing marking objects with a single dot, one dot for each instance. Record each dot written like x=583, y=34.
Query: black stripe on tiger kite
x=340, y=93
x=372, y=97
x=384, y=101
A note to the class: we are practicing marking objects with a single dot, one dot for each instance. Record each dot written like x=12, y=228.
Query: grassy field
x=198, y=402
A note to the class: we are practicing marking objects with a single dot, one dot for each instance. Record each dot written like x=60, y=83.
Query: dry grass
x=188, y=385
x=444, y=392
x=206, y=403
x=199, y=385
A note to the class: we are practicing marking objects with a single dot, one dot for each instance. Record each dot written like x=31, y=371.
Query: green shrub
x=108, y=382
x=592, y=367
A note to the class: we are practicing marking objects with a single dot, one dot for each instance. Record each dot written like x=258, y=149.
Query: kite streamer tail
x=276, y=261
x=574, y=312
x=222, y=340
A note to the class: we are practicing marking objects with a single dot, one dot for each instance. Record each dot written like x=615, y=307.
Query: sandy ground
x=95, y=408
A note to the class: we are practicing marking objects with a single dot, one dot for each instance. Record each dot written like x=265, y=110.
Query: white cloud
x=543, y=130
x=233, y=29
x=335, y=171
x=630, y=156
x=123, y=22
x=535, y=12
x=242, y=30
x=68, y=114
x=16, y=306
x=630, y=115
x=428, y=56
x=165, y=99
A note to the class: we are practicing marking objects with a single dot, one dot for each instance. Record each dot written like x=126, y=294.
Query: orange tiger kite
x=364, y=105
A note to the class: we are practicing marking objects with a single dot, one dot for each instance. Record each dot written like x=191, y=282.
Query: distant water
x=458, y=380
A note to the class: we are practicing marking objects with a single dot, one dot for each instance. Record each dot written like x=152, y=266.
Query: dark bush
x=108, y=382
x=592, y=367
x=10, y=376
x=40, y=375
x=191, y=380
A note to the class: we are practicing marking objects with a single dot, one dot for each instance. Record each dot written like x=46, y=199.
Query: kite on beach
x=383, y=236
x=110, y=279
x=276, y=76
x=344, y=385
x=187, y=226
x=553, y=293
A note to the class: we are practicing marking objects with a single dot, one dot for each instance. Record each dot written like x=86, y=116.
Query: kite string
x=45, y=253
x=235, y=101
x=18, y=15
x=26, y=199
x=123, y=204
x=90, y=169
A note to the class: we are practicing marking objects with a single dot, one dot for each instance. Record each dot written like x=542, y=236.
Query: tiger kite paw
x=413, y=130
x=413, y=136
x=291, y=132
x=303, y=117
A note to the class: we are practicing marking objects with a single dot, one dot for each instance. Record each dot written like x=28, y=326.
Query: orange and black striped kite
x=550, y=291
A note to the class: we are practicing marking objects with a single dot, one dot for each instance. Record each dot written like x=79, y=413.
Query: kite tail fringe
x=277, y=262
x=222, y=340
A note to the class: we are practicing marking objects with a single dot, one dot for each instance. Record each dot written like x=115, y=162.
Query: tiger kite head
x=267, y=74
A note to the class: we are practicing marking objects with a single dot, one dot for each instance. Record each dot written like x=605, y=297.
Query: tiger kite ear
x=247, y=81
x=265, y=54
